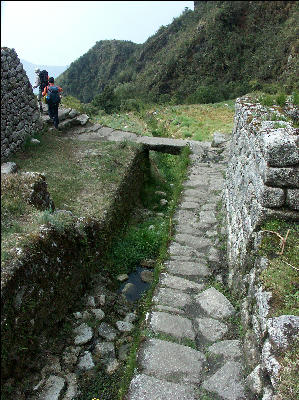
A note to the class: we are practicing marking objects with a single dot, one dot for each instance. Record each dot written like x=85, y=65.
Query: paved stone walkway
x=189, y=352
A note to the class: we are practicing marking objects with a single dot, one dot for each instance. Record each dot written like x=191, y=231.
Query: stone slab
x=188, y=268
x=195, y=242
x=144, y=387
x=53, y=388
x=229, y=349
x=174, y=325
x=178, y=283
x=215, y=304
x=177, y=249
x=164, y=145
x=171, y=361
x=211, y=329
x=227, y=382
x=170, y=297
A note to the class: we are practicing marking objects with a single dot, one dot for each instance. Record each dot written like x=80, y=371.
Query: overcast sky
x=59, y=32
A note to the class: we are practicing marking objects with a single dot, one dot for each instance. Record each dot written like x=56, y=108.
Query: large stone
x=254, y=380
x=86, y=361
x=144, y=387
x=228, y=349
x=178, y=283
x=211, y=329
x=171, y=361
x=283, y=331
x=53, y=388
x=83, y=334
x=124, y=326
x=194, y=242
x=169, y=297
x=8, y=168
x=188, y=268
x=215, y=304
x=174, y=325
x=106, y=331
x=227, y=382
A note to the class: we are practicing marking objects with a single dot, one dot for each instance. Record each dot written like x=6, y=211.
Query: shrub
x=266, y=100
x=295, y=98
x=132, y=105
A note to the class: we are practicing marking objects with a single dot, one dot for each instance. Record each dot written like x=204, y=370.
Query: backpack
x=53, y=95
x=43, y=77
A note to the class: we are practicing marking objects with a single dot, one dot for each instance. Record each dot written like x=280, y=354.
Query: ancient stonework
x=20, y=117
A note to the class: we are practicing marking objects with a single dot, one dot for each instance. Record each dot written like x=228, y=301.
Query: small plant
x=281, y=99
x=295, y=98
x=266, y=100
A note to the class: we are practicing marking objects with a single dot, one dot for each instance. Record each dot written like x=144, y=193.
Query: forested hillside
x=220, y=50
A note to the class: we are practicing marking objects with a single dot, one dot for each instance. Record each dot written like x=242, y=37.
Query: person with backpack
x=41, y=81
x=53, y=99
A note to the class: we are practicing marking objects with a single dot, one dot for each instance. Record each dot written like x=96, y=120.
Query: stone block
x=281, y=149
x=292, y=198
x=273, y=197
x=282, y=177
x=174, y=325
x=215, y=304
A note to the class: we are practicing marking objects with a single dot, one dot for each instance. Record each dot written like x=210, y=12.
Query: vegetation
x=220, y=51
x=281, y=276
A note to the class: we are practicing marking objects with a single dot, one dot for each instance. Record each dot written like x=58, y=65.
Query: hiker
x=53, y=99
x=41, y=81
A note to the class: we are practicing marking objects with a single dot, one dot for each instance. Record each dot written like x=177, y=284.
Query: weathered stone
x=70, y=356
x=182, y=284
x=98, y=313
x=168, y=297
x=229, y=349
x=83, y=334
x=211, y=329
x=215, y=304
x=104, y=350
x=86, y=361
x=112, y=366
x=122, y=277
x=147, y=276
x=72, y=387
x=273, y=197
x=270, y=363
x=292, y=199
x=174, y=325
x=171, y=361
x=8, y=168
x=53, y=388
x=144, y=387
x=218, y=139
x=283, y=331
x=124, y=326
x=106, y=331
x=188, y=268
x=227, y=382
x=254, y=380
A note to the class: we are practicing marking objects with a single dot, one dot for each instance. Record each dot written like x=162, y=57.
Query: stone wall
x=20, y=117
x=262, y=181
x=262, y=175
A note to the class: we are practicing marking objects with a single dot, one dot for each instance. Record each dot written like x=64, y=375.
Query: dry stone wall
x=262, y=181
x=262, y=175
x=20, y=117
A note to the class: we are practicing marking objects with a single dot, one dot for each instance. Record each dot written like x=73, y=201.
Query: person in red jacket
x=53, y=99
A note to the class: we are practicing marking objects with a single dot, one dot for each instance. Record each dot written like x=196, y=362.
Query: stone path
x=189, y=352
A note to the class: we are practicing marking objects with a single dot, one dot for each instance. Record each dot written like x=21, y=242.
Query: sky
x=59, y=32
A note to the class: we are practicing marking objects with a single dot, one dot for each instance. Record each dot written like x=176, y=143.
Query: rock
x=122, y=277
x=112, y=366
x=169, y=297
x=83, y=334
x=82, y=119
x=218, y=139
x=98, y=313
x=131, y=317
x=34, y=141
x=8, y=168
x=171, y=361
x=72, y=387
x=227, y=382
x=215, y=304
x=147, y=276
x=129, y=289
x=229, y=349
x=148, y=263
x=124, y=351
x=211, y=329
x=104, y=350
x=163, y=202
x=144, y=387
x=270, y=364
x=182, y=284
x=124, y=326
x=174, y=325
x=53, y=388
x=283, y=331
x=106, y=331
x=86, y=361
x=254, y=381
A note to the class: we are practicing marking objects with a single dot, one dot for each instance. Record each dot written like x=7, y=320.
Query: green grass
x=195, y=121
x=282, y=275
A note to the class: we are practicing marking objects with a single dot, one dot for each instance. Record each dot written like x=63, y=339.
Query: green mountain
x=220, y=50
